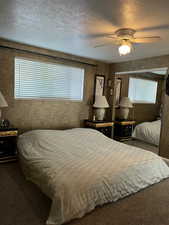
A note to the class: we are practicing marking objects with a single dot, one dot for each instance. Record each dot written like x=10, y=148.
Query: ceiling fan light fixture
x=125, y=48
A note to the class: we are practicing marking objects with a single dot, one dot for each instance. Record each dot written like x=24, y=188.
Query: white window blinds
x=45, y=80
x=142, y=90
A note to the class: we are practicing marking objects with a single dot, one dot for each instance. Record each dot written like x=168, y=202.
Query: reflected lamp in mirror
x=3, y=103
x=125, y=105
x=100, y=104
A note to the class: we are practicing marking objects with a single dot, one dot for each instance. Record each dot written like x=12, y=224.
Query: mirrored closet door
x=138, y=108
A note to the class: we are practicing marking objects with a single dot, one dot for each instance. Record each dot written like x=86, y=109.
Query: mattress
x=81, y=168
x=148, y=132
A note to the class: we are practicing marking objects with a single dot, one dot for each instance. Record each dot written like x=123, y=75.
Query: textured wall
x=149, y=63
x=32, y=114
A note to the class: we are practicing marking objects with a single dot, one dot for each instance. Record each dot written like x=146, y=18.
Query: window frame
x=49, y=98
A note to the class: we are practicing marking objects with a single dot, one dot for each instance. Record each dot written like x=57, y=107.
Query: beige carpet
x=21, y=203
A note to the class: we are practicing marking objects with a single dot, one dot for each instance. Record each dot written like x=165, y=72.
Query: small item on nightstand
x=94, y=117
x=4, y=123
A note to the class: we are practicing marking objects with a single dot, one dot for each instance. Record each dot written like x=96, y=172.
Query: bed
x=148, y=132
x=81, y=168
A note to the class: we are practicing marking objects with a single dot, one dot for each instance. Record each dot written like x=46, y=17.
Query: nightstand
x=8, y=144
x=105, y=127
x=123, y=130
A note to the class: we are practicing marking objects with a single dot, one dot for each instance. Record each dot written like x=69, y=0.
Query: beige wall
x=149, y=63
x=32, y=114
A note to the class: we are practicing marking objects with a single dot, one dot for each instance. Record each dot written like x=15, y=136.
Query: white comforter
x=148, y=132
x=81, y=168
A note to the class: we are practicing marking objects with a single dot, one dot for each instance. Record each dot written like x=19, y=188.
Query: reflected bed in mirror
x=148, y=132
x=146, y=92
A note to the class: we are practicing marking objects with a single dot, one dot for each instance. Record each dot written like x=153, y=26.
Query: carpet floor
x=22, y=203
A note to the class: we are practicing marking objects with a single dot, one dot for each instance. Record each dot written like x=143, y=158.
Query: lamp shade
x=100, y=102
x=125, y=102
x=3, y=102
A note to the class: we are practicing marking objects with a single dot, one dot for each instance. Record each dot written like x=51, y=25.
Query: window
x=142, y=90
x=46, y=80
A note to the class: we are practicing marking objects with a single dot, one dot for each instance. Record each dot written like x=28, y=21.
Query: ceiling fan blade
x=95, y=36
x=154, y=28
x=102, y=45
x=115, y=40
x=146, y=39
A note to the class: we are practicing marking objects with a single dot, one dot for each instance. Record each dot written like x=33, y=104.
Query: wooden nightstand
x=104, y=127
x=8, y=144
x=123, y=130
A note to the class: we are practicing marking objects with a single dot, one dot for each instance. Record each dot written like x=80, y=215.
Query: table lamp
x=125, y=105
x=3, y=103
x=100, y=104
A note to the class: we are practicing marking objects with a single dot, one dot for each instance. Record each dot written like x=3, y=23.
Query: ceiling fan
x=124, y=38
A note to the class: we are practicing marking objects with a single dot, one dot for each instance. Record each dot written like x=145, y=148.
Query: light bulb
x=125, y=48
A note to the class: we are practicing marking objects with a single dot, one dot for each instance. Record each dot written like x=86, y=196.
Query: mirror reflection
x=139, y=102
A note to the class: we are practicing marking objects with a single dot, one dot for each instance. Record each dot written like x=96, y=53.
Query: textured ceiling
x=76, y=26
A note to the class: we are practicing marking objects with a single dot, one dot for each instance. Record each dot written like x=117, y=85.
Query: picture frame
x=99, y=85
x=118, y=85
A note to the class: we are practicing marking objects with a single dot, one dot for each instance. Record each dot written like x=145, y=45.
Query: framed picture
x=99, y=85
x=118, y=83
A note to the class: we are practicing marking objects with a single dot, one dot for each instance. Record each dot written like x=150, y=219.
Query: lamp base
x=100, y=112
x=124, y=112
